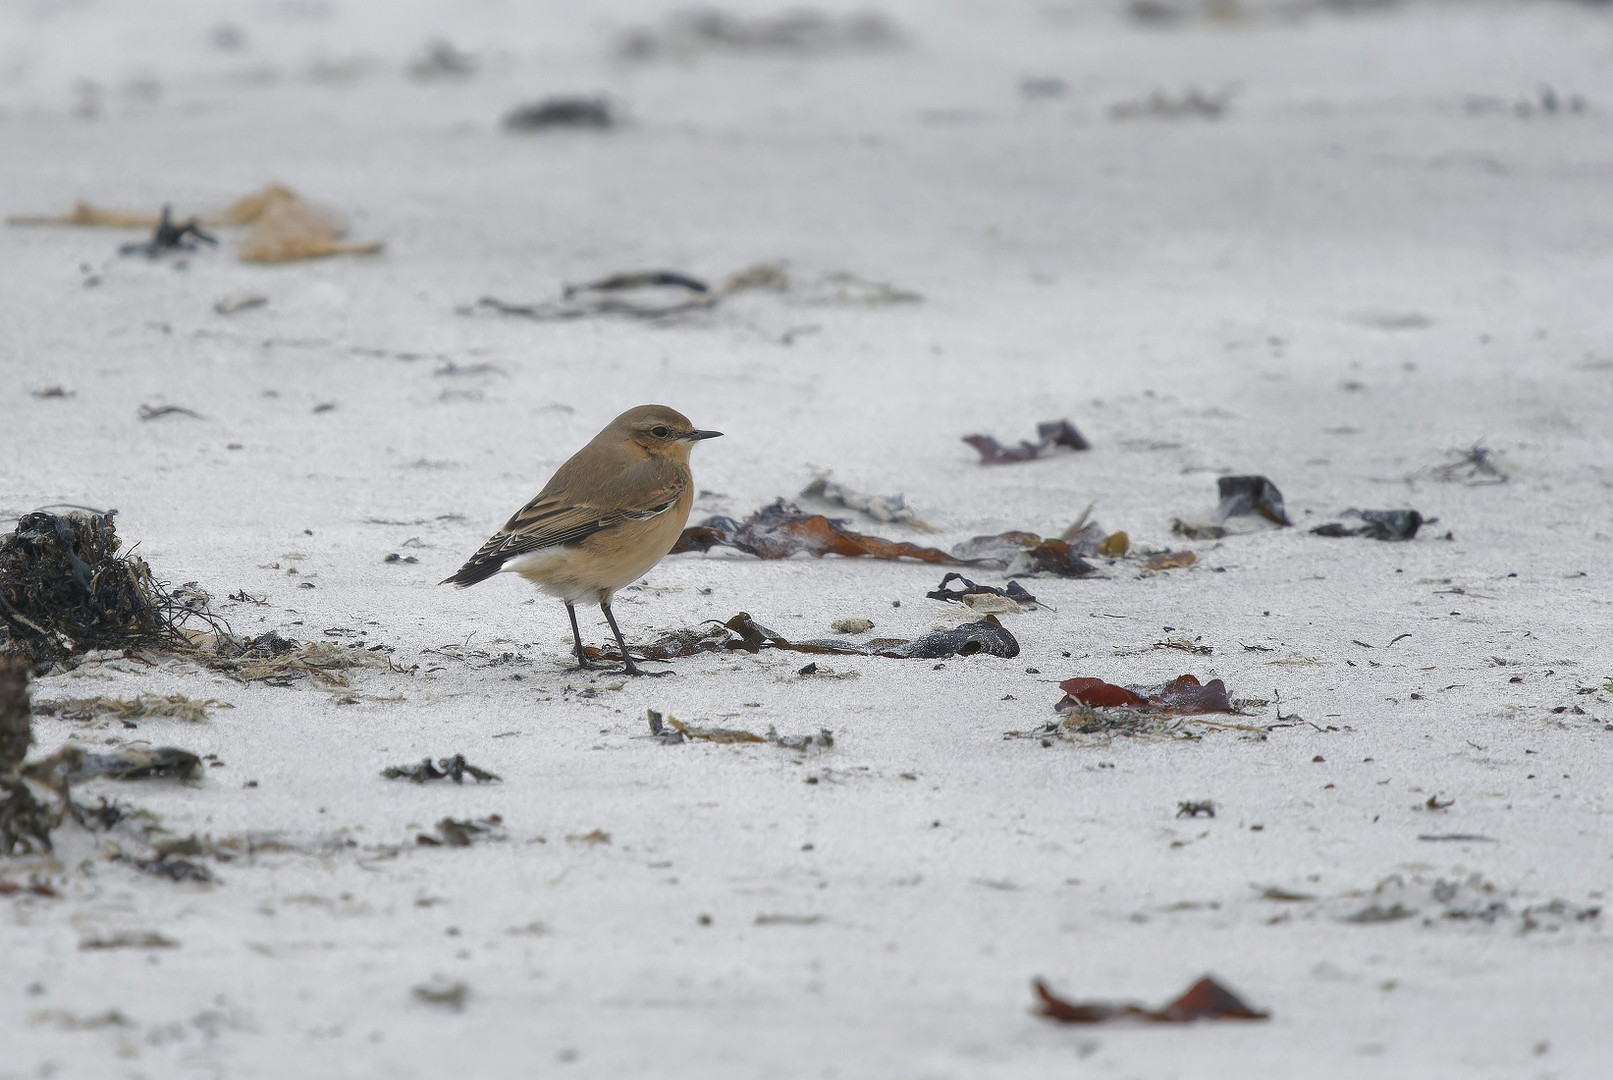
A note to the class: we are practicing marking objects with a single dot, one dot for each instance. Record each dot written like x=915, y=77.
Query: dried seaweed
x=1377, y=524
x=799, y=32
x=955, y=588
x=1023, y=553
x=452, y=832
x=26, y=821
x=177, y=706
x=65, y=590
x=1182, y=696
x=282, y=226
x=783, y=529
x=670, y=731
x=72, y=763
x=742, y=633
x=454, y=768
x=1049, y=436
x=575, y=113
x=1243, y=496
x=170, y=237
x=1190, y=104
x=1474, y=467
x=883, y=508
x=1206, y=999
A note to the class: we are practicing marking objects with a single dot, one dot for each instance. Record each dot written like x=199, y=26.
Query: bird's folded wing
x=557, y=517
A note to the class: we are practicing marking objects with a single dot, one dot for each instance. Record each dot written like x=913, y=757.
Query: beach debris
x=986, y=599
x=129, y=939
x=1193, y=808
x=1023, y=554
x=670, y=731
x=233, y=302
x=742, y=633
x=57, y=392
x=277, y=661
x=1182, y=696
x=639, y=294
x=453, y=832
x=454, y=768
x=1247, y=503
x=841, y=287
x=157, y=412
x=1050, y=436
x=26, y=819
x=170, y=237
x=985, y=636
x=854, y=625
x=1245, y=496
x=883, y=508
x=1377, y=524
x=73, y=763
x=574, y=113
x=1206, y=999
x=65, y=590
x=127, y=710
x=443, y=993
x=1169, y=560
x=803, y=32
x=1190, y=104
x=782, y=529
x=281, y=226
x=441, y=60
x=1474, y=467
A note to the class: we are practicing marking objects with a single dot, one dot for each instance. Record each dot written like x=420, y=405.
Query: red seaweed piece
x=1053, y=433
x=1183, y=695
x=1204, y=1000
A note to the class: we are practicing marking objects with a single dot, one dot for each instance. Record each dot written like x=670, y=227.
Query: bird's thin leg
x=576, y=635
x=629, y=668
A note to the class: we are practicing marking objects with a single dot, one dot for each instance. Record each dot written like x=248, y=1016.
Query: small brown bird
x=607, y=516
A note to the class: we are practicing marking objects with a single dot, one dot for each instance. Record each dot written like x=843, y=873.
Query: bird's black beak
x=696, y=436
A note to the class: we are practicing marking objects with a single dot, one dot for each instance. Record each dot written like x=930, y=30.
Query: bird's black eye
x=660, y=431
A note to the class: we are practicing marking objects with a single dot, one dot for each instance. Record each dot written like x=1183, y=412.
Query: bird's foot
x=631, y=668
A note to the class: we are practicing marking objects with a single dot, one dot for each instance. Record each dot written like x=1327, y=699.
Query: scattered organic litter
x=141, y=707
x=65, y=590
x=742, y=633
x=987, y=599
x=282, y=226
x=170, y=237
x=1190, y=104
x=1377, y=524
x=454, y=768
x=72, y=763
x=1050, y=436
x=452, y=832
x=670, y=731
x=1206, y=999
x=783, y=529
x=884, y=508
x=587, y=113
x=1247, y=503
x=1182, y=696
x=1474, y=467
x=800, y=32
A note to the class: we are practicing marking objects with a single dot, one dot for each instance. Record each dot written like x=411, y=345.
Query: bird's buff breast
x=592, y=570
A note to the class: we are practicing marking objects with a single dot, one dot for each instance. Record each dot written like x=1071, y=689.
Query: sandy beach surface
x=1336, y=245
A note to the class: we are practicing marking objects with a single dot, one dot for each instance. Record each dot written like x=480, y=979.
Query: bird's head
x=658, y=431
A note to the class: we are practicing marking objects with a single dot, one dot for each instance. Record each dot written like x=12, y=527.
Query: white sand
x=1198, y=296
